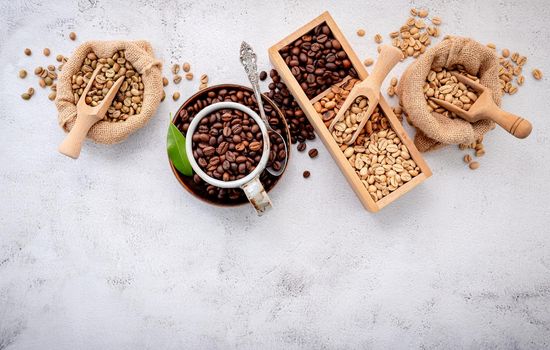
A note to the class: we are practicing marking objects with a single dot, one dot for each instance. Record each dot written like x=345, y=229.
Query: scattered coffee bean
x=306, y=174
x=176, y=96
x=537, y=74
x=301, y=147
x=204, y=79
x=317, y=60
x=263, y=75
x=22, y=74
x=25, y=96
x=177, y=79
x=28, y=52
x=368, y=62
x=378, y=38
x=52, y=95
x=189, y=76
x=186, y=67
x=164, y=81
x=361, y=32
x=46, y=52
x=467, y=159
x=72, y=36
x=59, y=58
x=313, y=153
x=175, y=68
x=474, y=165
x=413, y=37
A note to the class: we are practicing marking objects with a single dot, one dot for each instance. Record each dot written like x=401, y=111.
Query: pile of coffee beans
x=317, y=60
x=246, y=97
x=228, y=144
x=300, y=128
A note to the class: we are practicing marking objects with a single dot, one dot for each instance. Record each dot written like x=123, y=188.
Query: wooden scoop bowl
x=86, y=116
x=370, y=88
x=485, y=108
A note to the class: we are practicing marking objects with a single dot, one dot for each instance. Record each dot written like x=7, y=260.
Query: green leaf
x=175, y=145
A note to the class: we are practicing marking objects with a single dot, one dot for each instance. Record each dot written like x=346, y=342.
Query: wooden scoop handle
x=387, y=59
x=72, y=144
x=515, y=125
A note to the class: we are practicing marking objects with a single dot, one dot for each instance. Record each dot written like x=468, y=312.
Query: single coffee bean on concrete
x=313, y=153
x=306, y=174
x=28, y=52
x=301, y=147
x=317, y=60
x=72, y=35
x=263, y=75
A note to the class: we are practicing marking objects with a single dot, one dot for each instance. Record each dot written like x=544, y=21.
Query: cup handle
x=257, y=196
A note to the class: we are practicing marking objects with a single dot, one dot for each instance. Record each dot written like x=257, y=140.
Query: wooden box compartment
x=306, y=103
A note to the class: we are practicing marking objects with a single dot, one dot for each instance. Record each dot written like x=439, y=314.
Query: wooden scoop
x=485, y=108
x=86, y=116
x=370, y=87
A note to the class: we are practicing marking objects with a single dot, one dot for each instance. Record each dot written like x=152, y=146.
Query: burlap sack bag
x=140, y=55
x=433, y=129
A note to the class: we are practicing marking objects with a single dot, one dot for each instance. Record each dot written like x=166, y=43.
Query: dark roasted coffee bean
x=222, y=147
x=306, y=174
x=255, y=146
x=301, y=147
x=226, y=131
x=263, y=75
x=208, y=151
x=313, y=153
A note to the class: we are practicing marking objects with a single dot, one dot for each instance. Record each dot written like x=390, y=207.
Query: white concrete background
x=108, y=252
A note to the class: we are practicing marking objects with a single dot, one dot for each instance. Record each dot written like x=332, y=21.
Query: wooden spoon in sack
x=370, y=88
x=485, y=108
x=87, y=116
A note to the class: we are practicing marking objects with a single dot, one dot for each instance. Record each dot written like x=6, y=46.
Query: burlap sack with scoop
x=434, y=130
x=140, y=55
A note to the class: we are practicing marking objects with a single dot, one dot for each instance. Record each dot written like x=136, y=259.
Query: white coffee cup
x=250, y=184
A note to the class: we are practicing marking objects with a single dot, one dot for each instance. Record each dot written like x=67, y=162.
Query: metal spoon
x=248, y=60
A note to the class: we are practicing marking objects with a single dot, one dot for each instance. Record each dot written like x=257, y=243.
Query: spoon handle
x=248, y=60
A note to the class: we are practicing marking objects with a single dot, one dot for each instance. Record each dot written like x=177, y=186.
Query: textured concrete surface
x=108, y=252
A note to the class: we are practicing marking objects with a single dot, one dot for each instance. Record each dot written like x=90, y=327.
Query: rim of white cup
x=189, y=144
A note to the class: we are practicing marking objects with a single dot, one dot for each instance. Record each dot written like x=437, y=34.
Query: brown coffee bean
x=255, y=146
x=301, y=147
x=227, y=131
x=263, y=75
x=313, y=153
x=208, y=151
x=306, y=174
x=222, y=148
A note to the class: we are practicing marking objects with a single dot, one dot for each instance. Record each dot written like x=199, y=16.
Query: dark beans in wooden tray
x=317, y=60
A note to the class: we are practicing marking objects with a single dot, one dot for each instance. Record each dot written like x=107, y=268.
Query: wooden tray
x=307, y=106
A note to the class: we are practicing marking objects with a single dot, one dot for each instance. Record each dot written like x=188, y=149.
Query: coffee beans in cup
x=317, y=60
x=228, y=144
x=246, y=97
